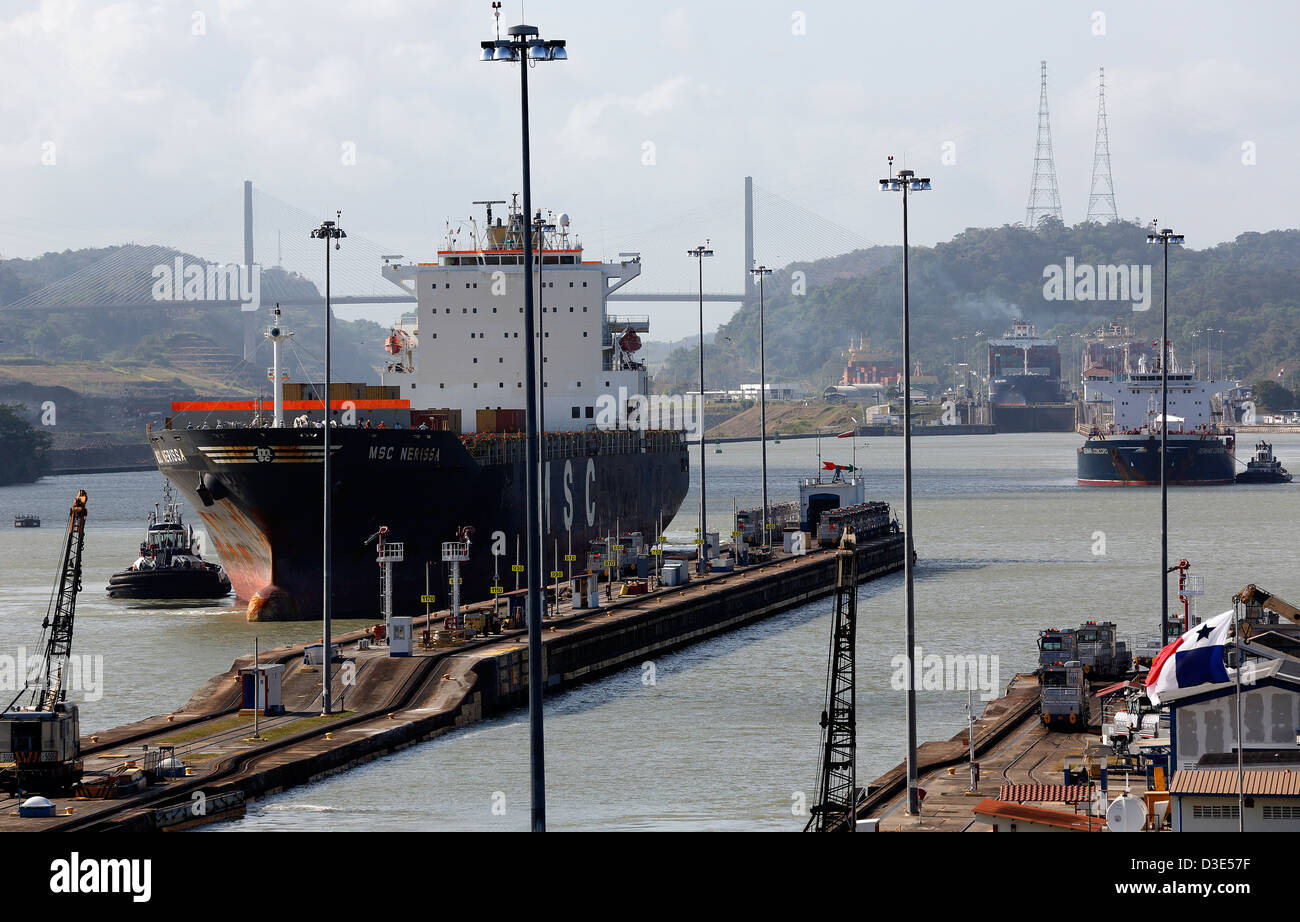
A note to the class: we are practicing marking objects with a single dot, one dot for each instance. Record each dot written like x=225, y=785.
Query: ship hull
x=1134, y=461
x=1057, y=417
x=259, y=494
x=168, y=584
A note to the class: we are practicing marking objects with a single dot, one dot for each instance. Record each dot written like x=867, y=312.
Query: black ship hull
x=1030, y=403
x=259, y=493
x=1249, y=476
x=171, y=583
x=1134, y=461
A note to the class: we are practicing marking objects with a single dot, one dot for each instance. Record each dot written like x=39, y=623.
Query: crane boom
x=1254, y=595
x=58, y=647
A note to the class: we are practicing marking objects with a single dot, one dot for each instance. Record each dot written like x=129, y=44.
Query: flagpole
x=1241, y=786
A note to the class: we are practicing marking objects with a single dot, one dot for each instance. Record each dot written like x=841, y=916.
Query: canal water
x=724, y=735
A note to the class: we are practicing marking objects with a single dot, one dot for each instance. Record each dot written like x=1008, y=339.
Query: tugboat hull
x=169, y=584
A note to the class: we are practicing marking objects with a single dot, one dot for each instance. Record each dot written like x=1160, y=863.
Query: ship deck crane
x=40, y=744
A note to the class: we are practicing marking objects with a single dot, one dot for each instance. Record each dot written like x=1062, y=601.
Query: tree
x=1272, y=397
x=23, y=448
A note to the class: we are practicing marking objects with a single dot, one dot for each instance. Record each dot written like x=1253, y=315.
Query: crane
x=838, y=796
x=40, y=742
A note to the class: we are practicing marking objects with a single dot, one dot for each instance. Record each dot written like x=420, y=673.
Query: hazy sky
x=138, y=121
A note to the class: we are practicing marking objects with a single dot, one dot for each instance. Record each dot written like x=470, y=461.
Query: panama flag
x=1196, y=658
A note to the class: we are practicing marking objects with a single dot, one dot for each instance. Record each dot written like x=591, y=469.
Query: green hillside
x=984, y=277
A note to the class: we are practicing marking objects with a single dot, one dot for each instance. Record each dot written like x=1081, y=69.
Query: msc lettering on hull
x=393, y=453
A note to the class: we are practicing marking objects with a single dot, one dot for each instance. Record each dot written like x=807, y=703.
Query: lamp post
x=759, y=272
x=1163, y=238
x=702, y=544
x=906, y=181
x=525, y=47
x=329, y=231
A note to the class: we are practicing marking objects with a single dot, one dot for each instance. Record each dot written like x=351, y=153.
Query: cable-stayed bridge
x=206, y=268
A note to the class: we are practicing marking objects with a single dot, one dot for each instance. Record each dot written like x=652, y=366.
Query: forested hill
x=984, y=278
x=166, y=334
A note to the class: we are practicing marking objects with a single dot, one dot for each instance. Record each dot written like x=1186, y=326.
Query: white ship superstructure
x=1132, y=401
x=466, y=352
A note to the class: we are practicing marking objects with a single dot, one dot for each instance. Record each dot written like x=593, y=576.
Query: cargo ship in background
x=1026, y=393
x=443, y=448
x=1122, y=404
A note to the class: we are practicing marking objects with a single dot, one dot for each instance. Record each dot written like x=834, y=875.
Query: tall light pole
x=330, y=232
x=906, y=181
x=759, y=272
x=1163, y=238
x=524, y=47
x=702, y=543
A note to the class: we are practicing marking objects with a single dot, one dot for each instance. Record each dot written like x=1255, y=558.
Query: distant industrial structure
x=1044, y=195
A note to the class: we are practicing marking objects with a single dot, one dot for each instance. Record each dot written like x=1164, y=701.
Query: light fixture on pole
x=329, y=231
x=1163, y=238
x=526, y=47
x=702, y=542
x=759, y=272
x=906, y=181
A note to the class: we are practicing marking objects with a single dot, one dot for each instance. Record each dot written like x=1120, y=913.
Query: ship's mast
x=276, y=335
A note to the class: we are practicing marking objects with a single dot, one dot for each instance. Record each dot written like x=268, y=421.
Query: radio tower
x=1044, y=199
x=1101, y=198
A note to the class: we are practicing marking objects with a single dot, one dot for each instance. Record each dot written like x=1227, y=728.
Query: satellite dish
x=1126, y=814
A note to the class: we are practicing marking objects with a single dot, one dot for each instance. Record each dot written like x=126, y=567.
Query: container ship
x=1124, y=423
x=444, y=447
x=1026, y=393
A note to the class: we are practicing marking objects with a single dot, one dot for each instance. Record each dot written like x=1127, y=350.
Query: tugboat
x=1264, y=468
x=27, y=521
x=169, y=565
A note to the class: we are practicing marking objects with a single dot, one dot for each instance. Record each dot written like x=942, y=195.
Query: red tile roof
x=1044, y=793
x=1075, y=822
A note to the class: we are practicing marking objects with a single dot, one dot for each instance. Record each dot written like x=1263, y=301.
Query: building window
x=1215, y=811
x=500, y=361
x=475, y=384
x=463, y=311
x=441, y=385
x=570, y=311
x=570, y=285
x=584, y=336
x=1281, y=812
x=591, y=412
x=499, y=384
x=577, y=412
